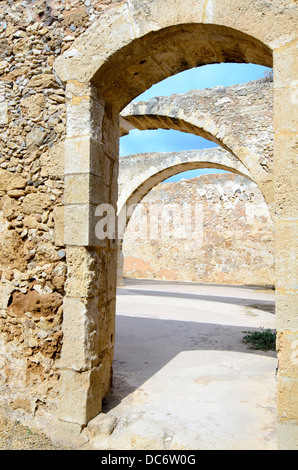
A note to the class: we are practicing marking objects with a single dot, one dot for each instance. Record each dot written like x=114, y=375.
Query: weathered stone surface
x=238, y=118
x=231, y=242
x=84, y=387
x=11, y=247
x=38, y=305
x=3, y=103
x=77, y=18
x=36, y=203
x=4, y=47
x=154, y=168
x=103, y=425
x=138, y=20
x=36, y=137
x=52, y=161
x=123, y=47
x=10, y=181
x=80, y=321
x=33, y=105
x=58, y=216
x=42, y=81
x=84, y=265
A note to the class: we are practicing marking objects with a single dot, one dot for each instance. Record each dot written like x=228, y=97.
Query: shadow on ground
x=146, y=345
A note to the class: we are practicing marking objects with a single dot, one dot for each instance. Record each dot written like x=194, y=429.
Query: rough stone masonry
x=32, y=251
x=235, y=243
x=67, y=68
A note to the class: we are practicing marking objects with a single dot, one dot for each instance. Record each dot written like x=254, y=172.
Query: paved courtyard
x=183, y=377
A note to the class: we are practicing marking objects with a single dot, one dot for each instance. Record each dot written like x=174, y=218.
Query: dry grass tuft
x=15, y=436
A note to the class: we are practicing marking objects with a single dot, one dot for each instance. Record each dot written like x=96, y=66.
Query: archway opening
x=206, y=225
x=142, y=300
x=179, y=359
x=171, y=50
x=118, y=86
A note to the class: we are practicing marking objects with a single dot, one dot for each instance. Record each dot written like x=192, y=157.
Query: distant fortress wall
x=232, y=242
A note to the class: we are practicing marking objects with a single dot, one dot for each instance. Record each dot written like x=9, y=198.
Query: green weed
x=264, y=340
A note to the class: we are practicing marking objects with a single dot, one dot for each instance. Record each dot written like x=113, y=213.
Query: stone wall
x=32, y=253
x=33, y=268
x=233, y=242
x=128, y=46
x=239, y=118
x=33, y=265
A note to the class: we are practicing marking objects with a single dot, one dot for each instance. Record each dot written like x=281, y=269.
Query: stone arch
x=238, y=118
x=139, y=173
x=153, y=40
x=132, y=46
x=143, y=66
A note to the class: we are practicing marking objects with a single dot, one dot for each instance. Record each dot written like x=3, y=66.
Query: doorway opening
x=179, y=352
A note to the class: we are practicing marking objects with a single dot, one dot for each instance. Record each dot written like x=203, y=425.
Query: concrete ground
x=183, y=377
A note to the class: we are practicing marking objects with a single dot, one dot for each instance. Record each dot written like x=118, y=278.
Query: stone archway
x=131, y=47
x=139, y=173
x=238, y=118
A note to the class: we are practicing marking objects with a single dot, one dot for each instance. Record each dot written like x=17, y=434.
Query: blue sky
x=162, y=140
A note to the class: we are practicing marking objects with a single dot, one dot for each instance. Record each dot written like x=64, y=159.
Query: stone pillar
x=91, y=173
x=286, y=235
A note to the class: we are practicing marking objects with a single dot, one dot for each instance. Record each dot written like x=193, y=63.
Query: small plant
x=264, y=340
x=268, y=75
x=30, y=433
